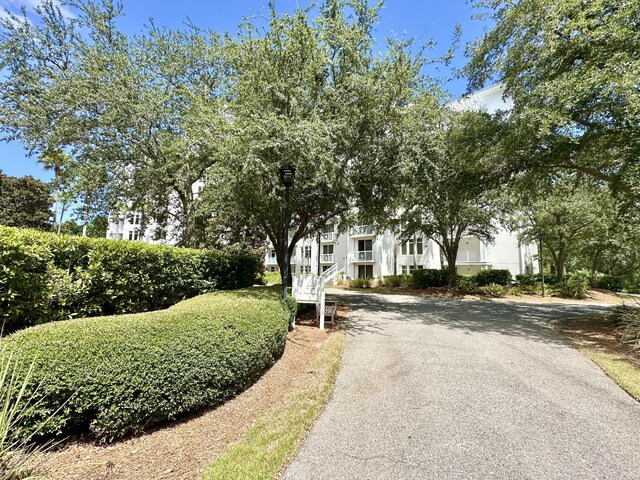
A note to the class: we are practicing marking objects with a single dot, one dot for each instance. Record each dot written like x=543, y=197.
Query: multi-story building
x=364, y=253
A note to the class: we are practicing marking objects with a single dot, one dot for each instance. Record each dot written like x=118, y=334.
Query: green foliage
x=392, y=280
x=26, y=202
x=495, y=291
x=272, y=278
x=468, y=284
x=428, y=278
x=575, y=285
x=572, y=69
x=361, y=283
x=449, y=176
x=112, y=376
x=45, y=277
x=486, y=277
x=610, y=282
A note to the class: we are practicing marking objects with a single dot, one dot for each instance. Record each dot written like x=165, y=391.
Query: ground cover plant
x=46, y=277
x=117, y=375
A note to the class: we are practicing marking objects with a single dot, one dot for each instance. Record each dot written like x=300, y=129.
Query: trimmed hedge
x=430, y=277
x=488, y=277
x=46, y=277
x=112, y=376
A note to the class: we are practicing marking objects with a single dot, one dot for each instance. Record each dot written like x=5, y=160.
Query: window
x=327, y=249
x=135, y=219
x=365, y=245
x=272, y=269
x=405, y=270
x=307, y=269
x=272, y=254
x=325, y=268
x=307, y=252
x=365, y=271
x=327, y=229
x=404, y=248
x=411, y=248
x=419, y=248
x=409, y=269
x=134, y=235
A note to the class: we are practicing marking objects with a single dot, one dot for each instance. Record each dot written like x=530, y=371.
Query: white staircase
x=331, y=274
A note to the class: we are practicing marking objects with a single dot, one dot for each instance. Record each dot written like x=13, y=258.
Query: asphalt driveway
x=448, y=389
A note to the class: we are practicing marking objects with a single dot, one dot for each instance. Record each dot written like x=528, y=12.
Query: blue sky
x=426, y=19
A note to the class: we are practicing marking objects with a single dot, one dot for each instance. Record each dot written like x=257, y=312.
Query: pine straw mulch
x=599, y=333
x=183, y=449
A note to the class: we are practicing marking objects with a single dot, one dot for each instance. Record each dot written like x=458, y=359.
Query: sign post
x=310, y=289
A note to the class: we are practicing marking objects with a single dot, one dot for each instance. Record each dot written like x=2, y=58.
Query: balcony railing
x=362, y=231
x=363, y=256
x=272, y=261
x=468, y=256
x=328, y=237
x=326, y=258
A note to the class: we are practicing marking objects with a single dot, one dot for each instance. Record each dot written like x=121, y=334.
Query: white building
x=365, y=253
x=129, y=226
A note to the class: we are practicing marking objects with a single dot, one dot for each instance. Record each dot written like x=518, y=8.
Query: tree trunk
x=451, y=268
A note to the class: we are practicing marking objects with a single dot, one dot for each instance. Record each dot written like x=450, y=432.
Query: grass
x=624, y=373
x=274, y=438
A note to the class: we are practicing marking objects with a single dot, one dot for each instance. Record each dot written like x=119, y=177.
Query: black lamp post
x=287, y=174
x=540, y=236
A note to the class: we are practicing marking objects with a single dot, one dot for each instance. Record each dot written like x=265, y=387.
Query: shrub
x=467, y=284
x=45, y=277
x=487, y=277
x=111, y=376
x=610, y=282
x=430, y=277
x=361, y=283
x=272, y=278
x=496, y=291
x=627, y=316
x=392, y=280
x=575, y=285
x=525, y=279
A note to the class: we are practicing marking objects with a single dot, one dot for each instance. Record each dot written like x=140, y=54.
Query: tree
x=142, y=118
x=450, y=176
x=25, y=202
x=572, y=68
x=312, y=94
x=575, y=216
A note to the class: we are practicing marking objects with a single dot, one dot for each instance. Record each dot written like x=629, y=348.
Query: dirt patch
x=598, y=333
x=183, y=449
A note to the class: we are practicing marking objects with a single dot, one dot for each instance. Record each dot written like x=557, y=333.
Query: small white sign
x=309, y=288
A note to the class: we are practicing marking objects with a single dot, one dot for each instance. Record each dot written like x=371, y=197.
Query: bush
x=392, y=280
x=575, y=285
x=112, y=376
x=46, y=277
x=525, y=279
x=627, y=316
x=430, y=277
x=272, y=278
x=610, y=282
x=361, y=283
x=467, y=284
x=487, y=277
x=496, y=291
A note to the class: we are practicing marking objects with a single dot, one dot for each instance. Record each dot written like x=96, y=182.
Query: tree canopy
x=25, y=202
x=572, y=68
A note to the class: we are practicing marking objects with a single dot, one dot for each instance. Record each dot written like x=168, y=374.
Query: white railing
x=331, y=274
x=328, y=237
x=272, y=261
x=362, y=230
x=362, y=256
x=468, y=256
x=326, y=258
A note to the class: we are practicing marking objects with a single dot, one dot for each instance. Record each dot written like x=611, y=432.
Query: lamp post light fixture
x=287, y=175
x=540, y=236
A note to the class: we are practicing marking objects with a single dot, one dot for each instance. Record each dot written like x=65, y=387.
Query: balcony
x=362, y=256
x=328, y=237
x=327, y=258
x=469, y=256
x=363, y=231
x=272, y=261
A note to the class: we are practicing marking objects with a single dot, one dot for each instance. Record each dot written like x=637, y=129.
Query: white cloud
x=16, y=5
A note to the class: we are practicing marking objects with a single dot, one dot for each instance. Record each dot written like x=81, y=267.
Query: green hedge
x=46, y=277
x=430, y=277
x=112, y=376
x=498, y=276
